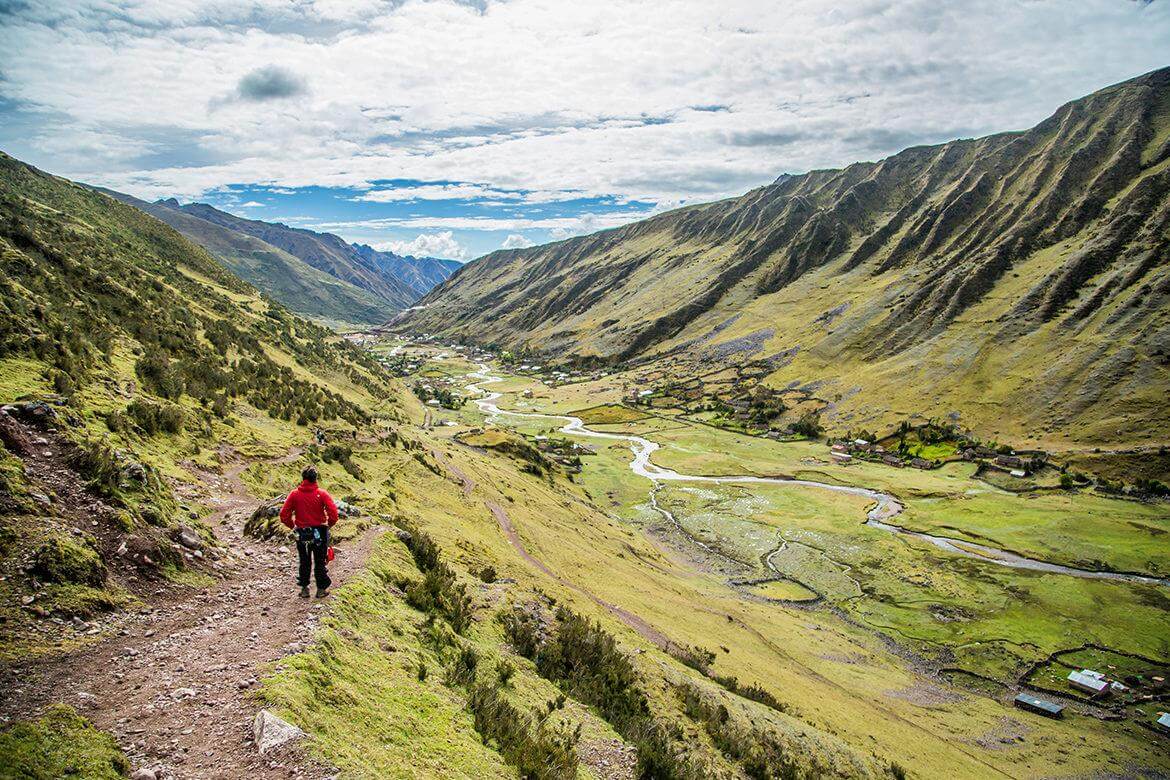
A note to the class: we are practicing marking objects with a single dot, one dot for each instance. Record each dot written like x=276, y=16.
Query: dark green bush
x=152, y=419
x=534, y=747
x=439, y=591
x=697, y=658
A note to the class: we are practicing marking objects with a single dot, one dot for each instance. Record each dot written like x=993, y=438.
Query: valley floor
x=884, y=639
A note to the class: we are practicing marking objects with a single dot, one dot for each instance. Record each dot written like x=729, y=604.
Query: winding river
x=885, y=506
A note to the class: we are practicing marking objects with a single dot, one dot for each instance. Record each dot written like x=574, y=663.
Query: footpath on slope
x=174, y=682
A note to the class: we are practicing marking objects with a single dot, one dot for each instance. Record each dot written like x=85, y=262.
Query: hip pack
x=313, y=534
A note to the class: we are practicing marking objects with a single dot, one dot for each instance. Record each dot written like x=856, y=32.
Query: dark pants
x=312, y=545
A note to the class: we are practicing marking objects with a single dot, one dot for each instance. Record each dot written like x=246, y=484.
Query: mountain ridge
x=1051, y=237
x=317, y=274
x=306, y=290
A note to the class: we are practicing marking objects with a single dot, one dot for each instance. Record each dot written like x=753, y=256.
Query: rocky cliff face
x=1057, y=235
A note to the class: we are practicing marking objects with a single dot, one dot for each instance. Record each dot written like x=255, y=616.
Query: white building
x=1089, y=682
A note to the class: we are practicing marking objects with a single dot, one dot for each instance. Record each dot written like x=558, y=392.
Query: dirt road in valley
x=175, y=681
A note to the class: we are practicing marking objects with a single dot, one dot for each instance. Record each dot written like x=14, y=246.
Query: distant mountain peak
x=318, y=274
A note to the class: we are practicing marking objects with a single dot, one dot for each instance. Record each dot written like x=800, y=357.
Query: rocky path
x=175, y=682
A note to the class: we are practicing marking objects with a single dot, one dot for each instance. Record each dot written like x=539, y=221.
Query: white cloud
x=436, y=192
x=583, y=223
x=517, y=241
x=671, y=101
x=427, y=245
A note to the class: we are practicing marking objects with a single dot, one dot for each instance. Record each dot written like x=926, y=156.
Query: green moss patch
x=62, y=560
x=62, y=744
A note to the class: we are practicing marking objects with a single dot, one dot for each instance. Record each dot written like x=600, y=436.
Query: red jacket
x=311, y=505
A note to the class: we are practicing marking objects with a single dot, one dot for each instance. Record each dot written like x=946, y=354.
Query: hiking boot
x=304, y=592
x=321, y=592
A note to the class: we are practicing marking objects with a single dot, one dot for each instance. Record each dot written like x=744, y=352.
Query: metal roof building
x=1027, y=701
x=1089, y=682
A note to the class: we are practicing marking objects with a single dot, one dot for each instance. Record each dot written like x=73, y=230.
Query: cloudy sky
x=455, y=127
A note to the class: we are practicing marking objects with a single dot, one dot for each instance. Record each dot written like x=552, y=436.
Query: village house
x=1009, y=461
x=1027, y=701
x=1090, y=682
x=921, y=463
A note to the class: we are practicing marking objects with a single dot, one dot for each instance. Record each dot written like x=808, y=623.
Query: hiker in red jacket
x=315, y=513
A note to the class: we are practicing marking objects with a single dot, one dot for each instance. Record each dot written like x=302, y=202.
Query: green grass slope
x=1018, y=280
x=130, y=351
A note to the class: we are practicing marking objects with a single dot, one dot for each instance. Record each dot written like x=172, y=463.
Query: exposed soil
x=175, y=681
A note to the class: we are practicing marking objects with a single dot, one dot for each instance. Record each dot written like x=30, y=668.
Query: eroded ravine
x=885, y=506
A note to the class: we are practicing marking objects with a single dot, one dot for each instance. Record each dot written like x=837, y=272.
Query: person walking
x=311, y=513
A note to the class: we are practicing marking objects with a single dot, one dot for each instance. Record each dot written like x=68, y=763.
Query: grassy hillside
x=136, y=372
x=127, y=350
x=1017, y=283
x=287, y=279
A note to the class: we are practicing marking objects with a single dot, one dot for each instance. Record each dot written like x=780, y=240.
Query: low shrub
x=584, y=660
x=534, y=747
x=753, y=692
x=439, y=591
x=60, y=559
x=757, y=750
x=697, y=658
x=153, y=419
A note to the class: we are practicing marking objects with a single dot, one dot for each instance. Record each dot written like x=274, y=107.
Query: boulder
x=144, y=774
x=271, y=732
x=188, y=538
x=265, y=521
x=134, y=471
x=346, y=509
x=37, y=413
x=13, y=437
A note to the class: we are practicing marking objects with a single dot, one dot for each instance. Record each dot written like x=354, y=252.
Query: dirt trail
x=175, y=681
x=644, y=629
